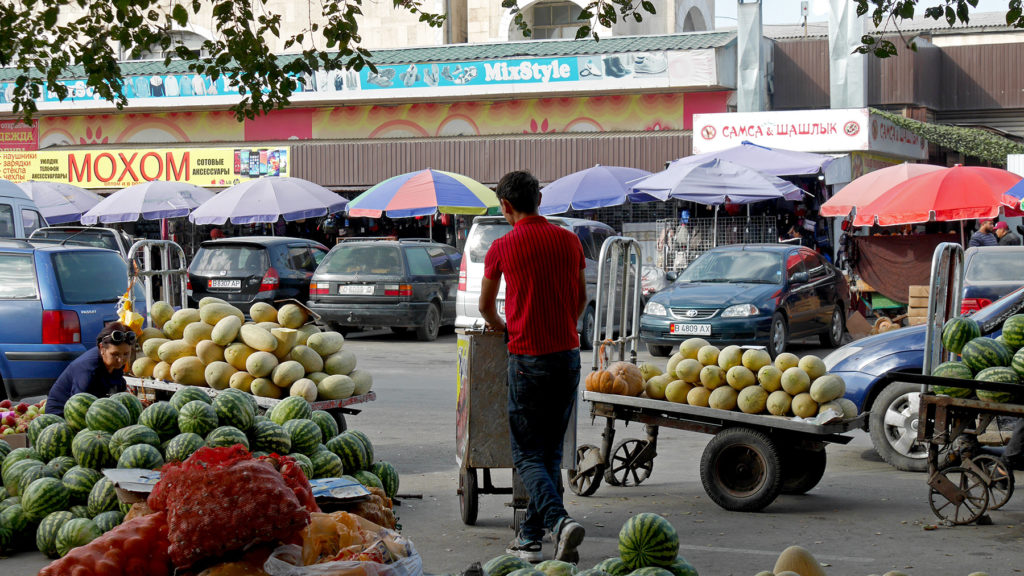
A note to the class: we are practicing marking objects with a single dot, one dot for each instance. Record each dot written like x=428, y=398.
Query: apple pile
x=15, y=418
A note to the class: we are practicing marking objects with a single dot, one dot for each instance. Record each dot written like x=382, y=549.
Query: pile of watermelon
x=999, y=359
x=648, y=546
x=54, y=496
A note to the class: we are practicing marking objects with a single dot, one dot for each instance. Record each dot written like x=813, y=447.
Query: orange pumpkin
x=603, y=382
x=627, y=377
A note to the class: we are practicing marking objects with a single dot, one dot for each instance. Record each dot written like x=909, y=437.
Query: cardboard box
x=917, y=313
x=918, y=291
x=16, y=440
x=916, y=320
x=918, y=302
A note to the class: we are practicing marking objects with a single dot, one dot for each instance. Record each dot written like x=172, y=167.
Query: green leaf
x=950, y=16
x=582, y=32
x=906, y=10
x=180, y=15
x=648, y=6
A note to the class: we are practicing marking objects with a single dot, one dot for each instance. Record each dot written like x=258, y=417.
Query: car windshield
x=96, y=238
x=996, y=266
x=739, y=266
x=364, y=259
x=230, y=259
x=90, y=277
x=19, y=277
x=482, y=237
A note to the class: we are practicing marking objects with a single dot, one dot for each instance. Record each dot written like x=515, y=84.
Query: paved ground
x=863, y=518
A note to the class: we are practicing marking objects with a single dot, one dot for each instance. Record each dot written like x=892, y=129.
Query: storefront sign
x=15, y=135
x=807, y=131
x=214, y=167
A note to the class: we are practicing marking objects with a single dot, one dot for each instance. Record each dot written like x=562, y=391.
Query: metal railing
x=681, y=244
x=618, y=286
x=945, y=293
x=173, y=276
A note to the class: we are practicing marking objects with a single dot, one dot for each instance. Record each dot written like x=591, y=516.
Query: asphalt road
x=863, y=518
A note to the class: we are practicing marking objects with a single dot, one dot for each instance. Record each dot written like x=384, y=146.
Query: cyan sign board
x=475, y=73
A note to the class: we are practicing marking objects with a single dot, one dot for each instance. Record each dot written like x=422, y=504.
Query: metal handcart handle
x=618, y=272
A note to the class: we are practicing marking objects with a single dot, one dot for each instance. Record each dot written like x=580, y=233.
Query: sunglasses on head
x=119, y=337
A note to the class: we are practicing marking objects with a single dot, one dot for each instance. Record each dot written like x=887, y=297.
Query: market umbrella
x=267, y=199
x=957, y=193
x=153, y=200
x=773, y=161
x=597, y=187
x=870, y=186
x=424, y=193
x=1017, y=192
x=712, y=182
x=60, y=203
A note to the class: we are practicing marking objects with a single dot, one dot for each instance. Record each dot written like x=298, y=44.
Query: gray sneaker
x=568, y=535
x=529, y=550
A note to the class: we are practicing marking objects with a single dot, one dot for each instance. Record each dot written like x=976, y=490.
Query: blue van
x=19, y=215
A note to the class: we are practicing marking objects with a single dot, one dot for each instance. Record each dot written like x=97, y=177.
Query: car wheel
x=833, y=337
x=427, y=332
x=587, y=330
x=778, y=335
x=399, y=329
x=893, y=424
x=660, y=350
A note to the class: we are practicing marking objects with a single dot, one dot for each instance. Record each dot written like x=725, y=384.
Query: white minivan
x=19, y=215
x=487, y=229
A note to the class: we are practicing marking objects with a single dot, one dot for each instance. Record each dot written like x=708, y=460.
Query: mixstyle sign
x=836, y=131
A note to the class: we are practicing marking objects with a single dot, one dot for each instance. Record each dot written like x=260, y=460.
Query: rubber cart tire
x=468, y=496
x=740, y=470
x=587, y=483
x=802, y=469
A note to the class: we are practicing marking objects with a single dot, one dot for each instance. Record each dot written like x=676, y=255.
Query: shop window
x=549, y=20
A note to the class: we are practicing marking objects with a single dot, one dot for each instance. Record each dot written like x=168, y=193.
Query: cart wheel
x=802, y=469
x=740, y=470
x=971, y=499
x=624, y=469
x=1000, y=479
x=586, y=482
x=468, y=495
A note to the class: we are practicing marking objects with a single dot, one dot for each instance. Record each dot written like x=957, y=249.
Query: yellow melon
x=754, y=360
x=708, y=355
x=691, y=346
x=795, y=381
x=770, y=378
x=813, y=365
x=689, y=370
x=730, y=356
x=723, y=398
x=677, y=390
x=712, y=376
x=804, y=406
x=655, y=387
x=698, y=396
x=778, y=403
x=752, y=399
x=739, y=377
x=785, y=361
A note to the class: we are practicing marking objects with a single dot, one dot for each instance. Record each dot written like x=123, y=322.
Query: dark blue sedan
x=749, y=294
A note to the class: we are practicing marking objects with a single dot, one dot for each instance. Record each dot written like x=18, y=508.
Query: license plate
x=355, y=290
x=692, y=329
x=216, y=283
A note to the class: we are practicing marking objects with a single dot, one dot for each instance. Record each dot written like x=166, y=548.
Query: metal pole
x=714, y=232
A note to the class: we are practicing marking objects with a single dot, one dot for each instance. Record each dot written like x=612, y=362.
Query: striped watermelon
x=648, y=539
x=1018, y=363
x=55, y=440
x=368, y=479
x=102, y=497
x=43, y=497
x=35, y=473
x=124, y=507
x=291, y=408
x=189, y=394
x=14, y=517
x=161, y=418
x=1013, y=332
x=79, y=482
x=131, y=403
x=650, y=571
x=182, y=446
x=305, y=463
x=107, y=521
x=6, y=535
x=504, y=565
x=130, y=436
x=142, y=456
x=680, y=567
x=326, y=464
x=953, y=370
x=46, y=533
x=531, y=571
x=5, y=448
x=305, y=435
x=62, y=464
x=234, y=410
x=328, y=425
x=388, y=477
x=8, y=502
x=592, y=572
x=982, y=353
x=91, y=448
x=367, y=461
x=15, y=456
x=270, y=438
x=997, y=374
x=107, y=414
x=74, y=533
x=227, y=436
x=76, y=408
x=556, y=568
x=959, y=331
x=350, y=449
x=39, y=424
x=197, y=417
x=12, y=478
x=243, y=396
x=80, y=511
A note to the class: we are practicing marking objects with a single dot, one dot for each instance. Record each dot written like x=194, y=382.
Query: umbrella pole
x=430, y=228
x=714, y=235
x=962, y=234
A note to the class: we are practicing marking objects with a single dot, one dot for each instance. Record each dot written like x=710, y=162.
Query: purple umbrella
x=712, y=182
x=267, y=199
x=154, y=200
x=59, y=202
x=774, y=161
x=597, y=187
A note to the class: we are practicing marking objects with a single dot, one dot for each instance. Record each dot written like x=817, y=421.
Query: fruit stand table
x=750, y=461
x=337, y=408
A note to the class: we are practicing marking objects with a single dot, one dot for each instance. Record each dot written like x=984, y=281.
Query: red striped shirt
x=541, y=263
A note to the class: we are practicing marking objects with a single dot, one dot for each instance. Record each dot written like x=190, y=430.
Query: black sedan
x=749, y=294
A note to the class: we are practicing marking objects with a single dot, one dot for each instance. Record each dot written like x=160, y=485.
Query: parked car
x=746, y=294
x=400, y=284
x=19, y=215
x=54, y=300
x=487, y=229
x=110, y=238
x=991, y=272
x=252, y=269
x=893, y=421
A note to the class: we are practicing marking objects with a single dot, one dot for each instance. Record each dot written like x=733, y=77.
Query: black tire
x=896, y=442
x=468, y=496
x=659, y=350
x=832, y=337
x=778, y=335
x=740, y=470
x=802, y=469
x=427, y=332
x=399, y=329
x=587, y=329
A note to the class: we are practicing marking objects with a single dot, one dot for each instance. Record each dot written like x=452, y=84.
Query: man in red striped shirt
x=545, y=293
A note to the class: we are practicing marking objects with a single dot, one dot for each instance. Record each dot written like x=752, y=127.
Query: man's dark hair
x=521, y=190
x=109, y=329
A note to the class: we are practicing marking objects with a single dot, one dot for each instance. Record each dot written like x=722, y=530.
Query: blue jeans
x=541, y=398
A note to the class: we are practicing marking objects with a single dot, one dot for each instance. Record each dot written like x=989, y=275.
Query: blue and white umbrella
x=59, y=202
x=597, y=187
x=154, y=200
x=267, y=199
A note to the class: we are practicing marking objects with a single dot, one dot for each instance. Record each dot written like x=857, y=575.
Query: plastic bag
x=287, y=561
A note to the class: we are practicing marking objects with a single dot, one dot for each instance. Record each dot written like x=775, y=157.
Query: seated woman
x=99, y=371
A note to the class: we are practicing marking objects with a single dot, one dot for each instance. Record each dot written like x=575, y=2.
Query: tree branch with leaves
x=890, y=13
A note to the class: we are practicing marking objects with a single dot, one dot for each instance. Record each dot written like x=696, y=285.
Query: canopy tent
x=773, y=161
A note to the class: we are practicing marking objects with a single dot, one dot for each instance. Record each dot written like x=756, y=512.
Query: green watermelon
x=227, y=436
x=15, y=518
x=107, y=414
x=5, y=448
x=8, y=502
x=981, y=353
x=959, y=331
x=305, y=463
x=1018, y=363
x=39, y=424
x=326, y=464
x=91, y=449
x=997, y=374
x=161, y=418
x=270, y=438
x=79, y=482
x=142, y=456
x=54, y=440
x=74, y=533
x=350, y=449
x=651, y=571
x=107, y=521
x=197, y=417
x=291, y=408
x=6, y=535
x=189, y=394
x=328, y=425
x=17, y=455
x=305, y=435
x=46, y=533
x=131, y=403
x=1013, y=332
x=43, y=497
x=234, y=410
x=12, y=479
x=80, y=511
x=648, y=539
x=124, y=507
x=526, y=572
x=557, y=568
x=368, y=479
x=367, y=461
x=35, y=473
x=249, y=399
x=76, y=408
x=388, y=477
x=182, y=446
x=62, y=464
x=504, y=565
x=953, y=370
x=102, y=497
x=680, y=567
x=593, y=572
x=130, y=436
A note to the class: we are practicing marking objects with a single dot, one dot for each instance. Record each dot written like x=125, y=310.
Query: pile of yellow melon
x=279, y=353
x=732, y=378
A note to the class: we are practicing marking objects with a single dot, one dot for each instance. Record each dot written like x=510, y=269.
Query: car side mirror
x=671, y=276
x=799, y=278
